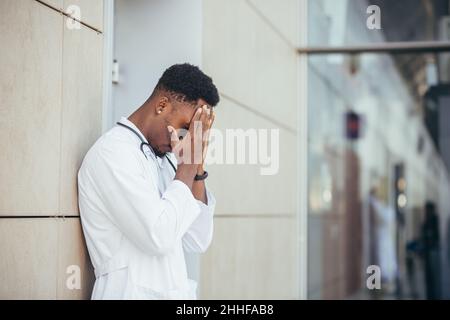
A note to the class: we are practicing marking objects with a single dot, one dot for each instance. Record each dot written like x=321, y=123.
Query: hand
x=193, y=147
x=184, y=151
x=207, y=119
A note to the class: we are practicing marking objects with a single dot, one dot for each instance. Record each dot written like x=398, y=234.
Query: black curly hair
x=187, y=83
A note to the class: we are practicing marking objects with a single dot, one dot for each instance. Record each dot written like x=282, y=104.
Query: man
x=142, y=193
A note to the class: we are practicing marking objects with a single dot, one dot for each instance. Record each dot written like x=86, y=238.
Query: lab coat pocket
x=136, y=291
x=139, y=291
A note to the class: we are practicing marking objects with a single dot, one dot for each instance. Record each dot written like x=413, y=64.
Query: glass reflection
x=379, y=156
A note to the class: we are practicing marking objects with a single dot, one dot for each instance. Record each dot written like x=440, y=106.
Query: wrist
x=201, y=177
x=187, y=170
x=200, y=170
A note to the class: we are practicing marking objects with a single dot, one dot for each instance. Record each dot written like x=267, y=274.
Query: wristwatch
x=202, y=176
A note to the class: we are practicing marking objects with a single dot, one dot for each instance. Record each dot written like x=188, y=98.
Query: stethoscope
x=143, y=143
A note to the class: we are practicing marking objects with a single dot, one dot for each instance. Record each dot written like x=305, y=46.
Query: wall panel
x=250, y=258
x=28, y=251
x=81, y=108
x=30, y=113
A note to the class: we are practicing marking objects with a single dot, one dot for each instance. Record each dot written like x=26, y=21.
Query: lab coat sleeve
x=199, y=235
x=153, y=223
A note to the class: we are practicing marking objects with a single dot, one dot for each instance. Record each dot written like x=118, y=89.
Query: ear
x=163, y=104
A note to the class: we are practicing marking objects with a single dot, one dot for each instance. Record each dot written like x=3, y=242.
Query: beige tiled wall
x=58, y=4
x=30, y=118
x=249, y=60
x=71, y=252
x=91, y=11
x=36, y=256
x=51, y=87
x=249, y=50
x=255, y=194
x=28, y=250
x=251, y=258
x=285, y=18
x=82, y=107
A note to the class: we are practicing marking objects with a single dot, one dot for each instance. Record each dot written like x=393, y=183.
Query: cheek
x=167, y=137
x=164, y=136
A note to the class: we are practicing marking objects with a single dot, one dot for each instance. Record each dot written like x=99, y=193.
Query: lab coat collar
x=130, y=124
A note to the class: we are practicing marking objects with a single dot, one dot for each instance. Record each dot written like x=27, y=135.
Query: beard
x=159, y=153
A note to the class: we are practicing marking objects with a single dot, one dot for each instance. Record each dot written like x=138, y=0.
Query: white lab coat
x=138, y=220
x=384, y=235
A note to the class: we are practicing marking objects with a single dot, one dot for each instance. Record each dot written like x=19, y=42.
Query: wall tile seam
x=259, y=114
x=266, y=20
x=63, y=217
x=256, y=215
x=68, y=16
x=61, y=117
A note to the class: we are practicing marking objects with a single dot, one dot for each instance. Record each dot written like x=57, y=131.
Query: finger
x=206, y=139
x=209, y=114
x=208, y=134
x=195, y=118
x=174, y=140
x=198, y=114
x=206, y=143
x=209, y=111
x=204, y=118
x=209, y=120
x=213, y=117
x=200, y=125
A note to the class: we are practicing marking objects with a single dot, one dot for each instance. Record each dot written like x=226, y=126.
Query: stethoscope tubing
x=143, y=143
